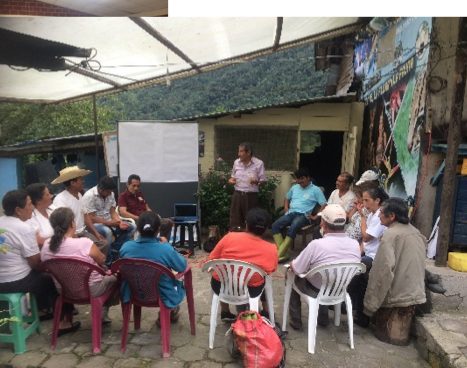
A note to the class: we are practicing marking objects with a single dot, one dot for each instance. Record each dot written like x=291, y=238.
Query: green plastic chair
x=10, y=306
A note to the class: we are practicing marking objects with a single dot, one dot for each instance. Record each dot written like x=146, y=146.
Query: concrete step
x=442, y=339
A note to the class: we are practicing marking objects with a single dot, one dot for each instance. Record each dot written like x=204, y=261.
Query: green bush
x=215, y=194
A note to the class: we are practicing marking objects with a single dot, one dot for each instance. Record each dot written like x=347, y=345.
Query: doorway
x=321, y=153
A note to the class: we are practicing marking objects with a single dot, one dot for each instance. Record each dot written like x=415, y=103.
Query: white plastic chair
x=335, y=279
x=234, y=277
x=130, y=220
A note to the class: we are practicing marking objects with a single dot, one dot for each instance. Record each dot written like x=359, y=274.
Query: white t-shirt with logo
x=20, y=242
x=65, y=199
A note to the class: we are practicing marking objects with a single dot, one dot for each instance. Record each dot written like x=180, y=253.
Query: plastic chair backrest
x=143, y=278
x=335, y=277
x=234, y=277
x=73, y=276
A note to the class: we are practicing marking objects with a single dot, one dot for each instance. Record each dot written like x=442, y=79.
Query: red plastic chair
x=143, y=278
x=73, y=276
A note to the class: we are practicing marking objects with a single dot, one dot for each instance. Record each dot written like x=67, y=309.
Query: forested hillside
x=280, y=77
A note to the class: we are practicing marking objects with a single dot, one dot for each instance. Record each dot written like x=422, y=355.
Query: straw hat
x=69, y=173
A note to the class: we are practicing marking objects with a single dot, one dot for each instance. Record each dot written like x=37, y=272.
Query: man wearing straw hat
x=72, y=178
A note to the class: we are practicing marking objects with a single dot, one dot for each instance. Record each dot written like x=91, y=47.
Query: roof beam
x=87, y=73
x=280, y=21
x=159, y=37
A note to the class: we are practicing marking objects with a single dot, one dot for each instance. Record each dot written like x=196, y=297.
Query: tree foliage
x=24, y=122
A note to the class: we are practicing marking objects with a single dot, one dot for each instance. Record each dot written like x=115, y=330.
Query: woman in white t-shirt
x=64, y=244
x=371, y=231
x=42, y=201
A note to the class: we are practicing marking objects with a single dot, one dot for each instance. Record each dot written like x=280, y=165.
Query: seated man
x=72, y=178
x=249, y=247
x=99, y=206
x=397, y=277
x=298, y=205
x=132, y=204
x=334, y=247
x=342, y=195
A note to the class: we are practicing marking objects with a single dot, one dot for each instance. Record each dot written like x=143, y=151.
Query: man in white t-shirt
x=71, y=197
x=343, y=195
x=334, y=247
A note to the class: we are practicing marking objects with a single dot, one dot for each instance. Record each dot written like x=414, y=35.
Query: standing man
x=99, y=205
x=131, y=204
x=247, y=175
x=334, y=247
x=397, y=277
x=298, y=206
x=71, y=197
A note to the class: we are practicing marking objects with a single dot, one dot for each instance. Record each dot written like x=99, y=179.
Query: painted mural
x=394, y=96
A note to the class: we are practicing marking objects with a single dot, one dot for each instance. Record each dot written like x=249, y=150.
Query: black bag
x=213, y=238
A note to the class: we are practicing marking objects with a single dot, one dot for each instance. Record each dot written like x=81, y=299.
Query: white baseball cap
x=368, y=175
x=334, y=214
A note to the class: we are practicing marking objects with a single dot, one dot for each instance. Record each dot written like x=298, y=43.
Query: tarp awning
x=133, y=53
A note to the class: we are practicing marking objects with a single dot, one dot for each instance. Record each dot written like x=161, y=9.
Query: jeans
x=121, y=237
x=295, y=220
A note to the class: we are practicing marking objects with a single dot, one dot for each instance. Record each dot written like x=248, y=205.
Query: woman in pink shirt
x=63, y=244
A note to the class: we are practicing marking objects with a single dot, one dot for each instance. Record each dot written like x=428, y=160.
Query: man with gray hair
x=334, y=247
x=247, y=175
x=397, y=277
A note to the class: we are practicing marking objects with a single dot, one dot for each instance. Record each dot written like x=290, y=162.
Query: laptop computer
x=185, y=212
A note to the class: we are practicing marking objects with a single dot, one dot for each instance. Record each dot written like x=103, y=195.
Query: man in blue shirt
x=298, y=206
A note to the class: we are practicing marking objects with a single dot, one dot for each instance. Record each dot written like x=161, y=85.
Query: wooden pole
x=96, y=138
x=452, y=151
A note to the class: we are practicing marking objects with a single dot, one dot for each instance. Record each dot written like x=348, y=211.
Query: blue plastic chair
x=10, y=306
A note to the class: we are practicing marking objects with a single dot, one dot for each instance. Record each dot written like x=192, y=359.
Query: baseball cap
x=367, y=176
x=334, y=214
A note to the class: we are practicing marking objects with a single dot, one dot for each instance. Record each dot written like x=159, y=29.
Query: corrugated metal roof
x=344, y=97
x=62, y=144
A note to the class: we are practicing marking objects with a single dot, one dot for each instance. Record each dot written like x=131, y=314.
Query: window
x=275, y=145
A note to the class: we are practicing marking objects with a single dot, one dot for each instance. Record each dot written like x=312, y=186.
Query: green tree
x=23, y=122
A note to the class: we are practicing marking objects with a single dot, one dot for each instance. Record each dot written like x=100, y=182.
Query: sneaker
x=362, y=320
x=264, y=313
x=296, y=324
x=228, y=317
x=105, y=316
x=323, y=320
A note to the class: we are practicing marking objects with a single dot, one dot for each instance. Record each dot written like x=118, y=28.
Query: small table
x=191, y=242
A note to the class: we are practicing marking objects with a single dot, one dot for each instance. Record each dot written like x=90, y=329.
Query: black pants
x=41, y=285
x=38, y=283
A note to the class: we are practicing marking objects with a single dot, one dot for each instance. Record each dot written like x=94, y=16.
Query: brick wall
x=36, y=8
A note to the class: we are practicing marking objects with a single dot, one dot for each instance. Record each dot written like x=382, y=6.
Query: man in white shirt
x=99, y=206
x=71, y=197
x=334, y=247
x=343, y=195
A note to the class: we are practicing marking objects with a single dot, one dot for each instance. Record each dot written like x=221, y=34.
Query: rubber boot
x=278, y=239
x=284, y=249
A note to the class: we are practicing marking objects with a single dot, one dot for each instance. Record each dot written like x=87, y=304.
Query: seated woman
x=148, y=246
x=63, y=244
x=249, y=247
x=42, y=201
x=20, y=260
